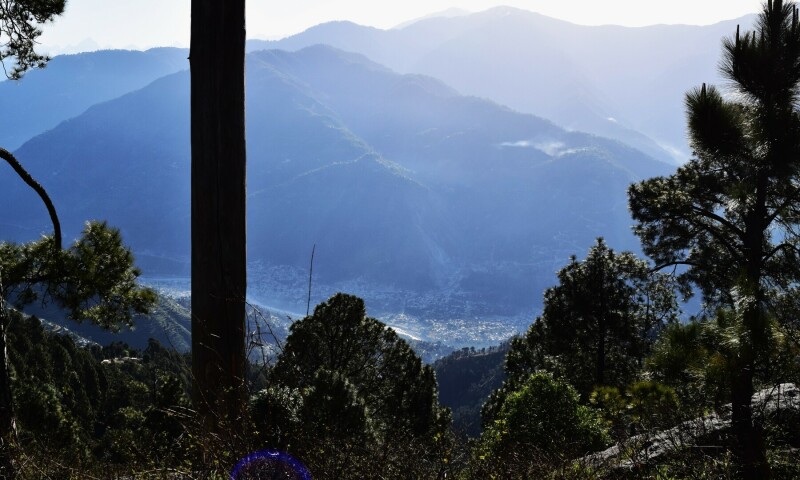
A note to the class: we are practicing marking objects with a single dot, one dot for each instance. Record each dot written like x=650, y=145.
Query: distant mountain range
x=72, y=83
x=169, y=323
x=438, y=166
x=419, y=199
x=619, y=82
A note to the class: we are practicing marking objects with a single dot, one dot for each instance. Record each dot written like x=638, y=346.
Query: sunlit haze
x=93, y=24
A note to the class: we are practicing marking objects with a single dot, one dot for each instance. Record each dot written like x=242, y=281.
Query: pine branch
x=37, y=187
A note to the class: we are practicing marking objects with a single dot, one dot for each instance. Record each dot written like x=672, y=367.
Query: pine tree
x=597, y=326
x=361, y=385
x=729, y=216
x=94, y=280
x=389, y=377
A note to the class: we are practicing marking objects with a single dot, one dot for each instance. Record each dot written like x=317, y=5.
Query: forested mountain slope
x=418, y=198
x=72, y=83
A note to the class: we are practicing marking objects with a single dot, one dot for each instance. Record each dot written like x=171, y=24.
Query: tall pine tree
x=730, y=215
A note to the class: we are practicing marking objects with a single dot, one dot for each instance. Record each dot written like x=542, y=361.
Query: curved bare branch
x=37, y=187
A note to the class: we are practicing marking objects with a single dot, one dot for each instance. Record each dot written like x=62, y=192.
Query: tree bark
x=8, y=428
x=750, y=446
x=218, y=208
x=37, y=187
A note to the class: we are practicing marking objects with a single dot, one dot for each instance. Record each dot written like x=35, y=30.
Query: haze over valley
x=444, y=169
x=353, y=240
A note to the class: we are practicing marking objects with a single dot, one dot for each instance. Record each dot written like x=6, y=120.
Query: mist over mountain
x=418, y=251
x=450, y=12
x=417, y=198
x=599, y=79
x=72, y=83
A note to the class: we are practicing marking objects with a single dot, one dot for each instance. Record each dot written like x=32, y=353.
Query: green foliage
x=695, y=359
x=643, y=406
x=99, y=282
x=466, y=378
x=277, y=411
x=95, y=279
x=598, y=322
x=598, y=325
x=387, y=375
x=362, y=397
x=729, y=216
x=91, y=408
x=652, y=404
x=332, y=409
x=698, y=358
x=19, y=30
x=613, y=406
x=546, y=413
x=542, y=419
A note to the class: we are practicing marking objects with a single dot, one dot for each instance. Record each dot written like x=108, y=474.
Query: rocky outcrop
x=650, y=447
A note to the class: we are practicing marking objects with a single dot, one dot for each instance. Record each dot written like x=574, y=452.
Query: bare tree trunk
x=8, y=428
x=218, y=208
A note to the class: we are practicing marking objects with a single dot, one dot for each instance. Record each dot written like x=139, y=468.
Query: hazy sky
x=147, y=23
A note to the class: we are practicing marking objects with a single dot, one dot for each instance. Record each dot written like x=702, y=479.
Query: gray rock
x=649, y=447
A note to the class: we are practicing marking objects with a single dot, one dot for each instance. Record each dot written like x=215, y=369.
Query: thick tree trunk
x=750, y=447
x=218, y=208
x=7, y=421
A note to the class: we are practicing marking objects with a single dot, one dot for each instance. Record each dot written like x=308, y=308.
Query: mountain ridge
x=421, y=200
x=85, y=79
x=600, y=83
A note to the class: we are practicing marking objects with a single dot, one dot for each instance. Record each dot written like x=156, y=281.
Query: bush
x=540, y=426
